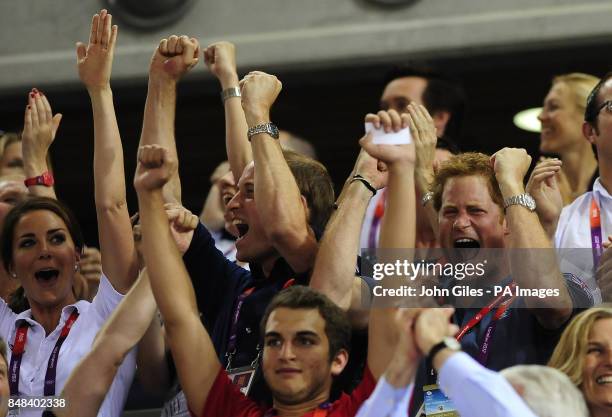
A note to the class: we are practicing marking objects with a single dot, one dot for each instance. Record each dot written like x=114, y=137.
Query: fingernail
x=35, y=90
x=32, y=95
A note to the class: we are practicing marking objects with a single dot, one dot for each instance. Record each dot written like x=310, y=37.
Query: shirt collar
x=601, y=191
x=66, y=312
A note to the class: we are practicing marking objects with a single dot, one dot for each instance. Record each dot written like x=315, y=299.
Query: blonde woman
x=584, y=354
x=562, y=117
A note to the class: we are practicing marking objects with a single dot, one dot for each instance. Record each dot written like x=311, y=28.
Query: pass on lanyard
x=19, y=348
x=596, y=239
x=379, y=211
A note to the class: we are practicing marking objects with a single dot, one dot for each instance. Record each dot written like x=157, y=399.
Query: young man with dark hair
x=445, y=100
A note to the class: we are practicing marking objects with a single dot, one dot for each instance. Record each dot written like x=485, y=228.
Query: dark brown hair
x=337, y=326
x=33, y=204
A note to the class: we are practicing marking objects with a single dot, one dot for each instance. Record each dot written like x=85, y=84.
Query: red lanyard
x=596, y=239
x=21, y=337
x=503, y=306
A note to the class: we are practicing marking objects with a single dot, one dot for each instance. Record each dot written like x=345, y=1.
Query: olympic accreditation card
x=437, y=404
x=16, y=404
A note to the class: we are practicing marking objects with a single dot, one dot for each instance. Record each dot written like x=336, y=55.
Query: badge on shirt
x=437, y=404
x=243, y=377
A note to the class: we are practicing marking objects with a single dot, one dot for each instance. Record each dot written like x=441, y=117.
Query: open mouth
x=242, y=229
x=466, y=243
x=46, y=275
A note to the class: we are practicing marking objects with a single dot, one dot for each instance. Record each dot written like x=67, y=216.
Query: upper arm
x=382, y=339
x=117, y=246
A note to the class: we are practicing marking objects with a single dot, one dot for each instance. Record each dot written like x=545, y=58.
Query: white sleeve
x=7, y=321
x=479, y=392
x=561, y=225
x=386, y=401
x=106, y=299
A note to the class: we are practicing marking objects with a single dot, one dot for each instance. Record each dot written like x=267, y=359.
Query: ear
x=440, y=119
x=77, y=254
x=589, y=132
x=305, y=207
x=339, y=362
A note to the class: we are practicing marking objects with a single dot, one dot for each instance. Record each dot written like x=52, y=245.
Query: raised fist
x=95, y=61
x=390, y=121
x=259, y=91
x=510, y=165
x=174, y=57
x=220, y=58
x=155, y=168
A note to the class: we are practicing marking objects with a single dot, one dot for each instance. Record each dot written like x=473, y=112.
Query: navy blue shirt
x=218, y=283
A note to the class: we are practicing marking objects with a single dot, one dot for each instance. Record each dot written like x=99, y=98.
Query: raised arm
x=544, y=188
x=193, y=352
x=220, y=59
x=94, y=62
x=530, y=268
x=398, y=232
x=279, y=201
x=334, y=270
x=172, y=59
x=39, y=128
x=90, y=381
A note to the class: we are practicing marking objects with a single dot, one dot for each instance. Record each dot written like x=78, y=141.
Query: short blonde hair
x=571, y=350
x=580, y=85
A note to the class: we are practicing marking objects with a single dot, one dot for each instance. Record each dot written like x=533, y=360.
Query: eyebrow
x=49, y=232
x=300, y=333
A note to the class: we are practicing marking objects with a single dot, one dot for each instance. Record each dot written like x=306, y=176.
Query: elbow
x=110, y=206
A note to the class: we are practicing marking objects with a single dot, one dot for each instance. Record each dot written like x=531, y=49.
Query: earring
x=76, y=267
x=14, y=275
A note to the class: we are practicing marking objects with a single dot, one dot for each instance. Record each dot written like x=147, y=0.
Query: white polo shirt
x=78, y=343
x=573, y=236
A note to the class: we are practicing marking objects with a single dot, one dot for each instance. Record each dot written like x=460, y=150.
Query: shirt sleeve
x=387, y=401
x=211, y=273
x=106, y=299
x=7, y=320
x=478, y=392
x=225, y=400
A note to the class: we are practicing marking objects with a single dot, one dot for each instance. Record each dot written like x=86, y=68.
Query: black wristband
x=365, y=182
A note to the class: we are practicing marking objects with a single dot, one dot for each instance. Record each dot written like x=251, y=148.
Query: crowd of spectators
x=265, y=303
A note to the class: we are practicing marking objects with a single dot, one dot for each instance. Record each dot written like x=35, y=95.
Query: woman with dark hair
x=42, y=245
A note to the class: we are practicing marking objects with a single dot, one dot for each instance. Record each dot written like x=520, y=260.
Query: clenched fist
x=259, y=91
x=220, y=58
x=510, y=166
x=155, y=168
x=174, y=57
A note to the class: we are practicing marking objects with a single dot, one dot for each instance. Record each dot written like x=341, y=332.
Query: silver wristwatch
x=229, y=93
x=524, y=200
x=269, y=128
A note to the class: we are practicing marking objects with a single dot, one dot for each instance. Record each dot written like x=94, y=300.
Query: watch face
x=274, y=131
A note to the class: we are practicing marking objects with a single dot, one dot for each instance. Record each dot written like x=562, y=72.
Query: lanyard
x=502, y=303
x=379, y=211
x=21, y=337
x=233, y=338
x=231, y=346
x=596, y=240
